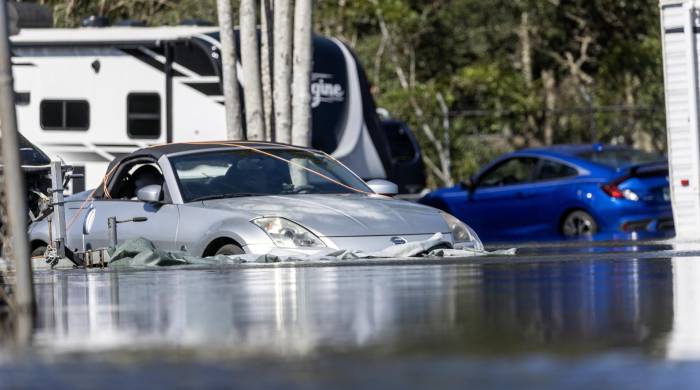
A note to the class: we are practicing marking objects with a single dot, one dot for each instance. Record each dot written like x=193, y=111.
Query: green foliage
x=69, y=13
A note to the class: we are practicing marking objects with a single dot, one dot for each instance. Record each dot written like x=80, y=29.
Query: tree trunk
x=282, y=68
x=228, y=66
x=301, y=85
x=550, y=101
x=255, y=125
x=525, y=49
x=266, y=28
x=640, y=138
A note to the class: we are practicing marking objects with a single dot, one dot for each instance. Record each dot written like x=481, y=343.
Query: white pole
x=59, y=210
x=302, y=65
x=13, y=180
x=255, y=125
x=234, y=130
x=282, y=68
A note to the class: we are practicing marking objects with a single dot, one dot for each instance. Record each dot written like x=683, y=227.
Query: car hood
x=340, y=215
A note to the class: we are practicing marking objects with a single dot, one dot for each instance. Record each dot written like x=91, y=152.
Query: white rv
x=680, y=24
x=88, y=95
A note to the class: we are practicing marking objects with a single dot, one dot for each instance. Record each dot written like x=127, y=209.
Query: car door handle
x=523, y=195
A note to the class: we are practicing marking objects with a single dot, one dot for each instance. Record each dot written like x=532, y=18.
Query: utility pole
x=301, y=67
x=13, y=180
x=234, y=130
x=282, y=69
x=255, y=124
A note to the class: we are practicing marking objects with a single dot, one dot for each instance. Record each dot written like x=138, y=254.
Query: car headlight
x=462, y=233
x=287, y=234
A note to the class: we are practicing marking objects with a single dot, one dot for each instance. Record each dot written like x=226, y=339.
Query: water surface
x=581, y=320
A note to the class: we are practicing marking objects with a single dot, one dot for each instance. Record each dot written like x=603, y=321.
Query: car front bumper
x=365, y=244
x=627, y=217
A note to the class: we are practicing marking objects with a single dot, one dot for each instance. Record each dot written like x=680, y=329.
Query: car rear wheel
x=228, y=250
x=579, y=223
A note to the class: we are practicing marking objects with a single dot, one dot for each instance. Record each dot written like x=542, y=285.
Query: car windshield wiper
x=227, y=195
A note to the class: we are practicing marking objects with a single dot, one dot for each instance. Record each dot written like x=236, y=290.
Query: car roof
x=184, y=147
x=572, y=149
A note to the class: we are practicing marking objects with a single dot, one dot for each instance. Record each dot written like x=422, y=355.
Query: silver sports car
x=244, y=197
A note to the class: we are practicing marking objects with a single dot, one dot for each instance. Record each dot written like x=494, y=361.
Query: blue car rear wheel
x=579, y=223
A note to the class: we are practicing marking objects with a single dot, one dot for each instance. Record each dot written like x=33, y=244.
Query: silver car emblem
x=398, y=240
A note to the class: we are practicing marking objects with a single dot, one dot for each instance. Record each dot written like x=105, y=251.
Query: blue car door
x=500, y=206
x=552, y=192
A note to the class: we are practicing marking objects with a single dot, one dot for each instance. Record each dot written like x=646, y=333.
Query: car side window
x=516, y=170
x=551, y=170
x=134, y=177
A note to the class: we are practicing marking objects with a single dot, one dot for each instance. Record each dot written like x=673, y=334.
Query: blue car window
x=551, y=170
x=517, y=170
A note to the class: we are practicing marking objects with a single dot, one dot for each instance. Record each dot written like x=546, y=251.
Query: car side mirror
x=383, y=187
x=150, y=193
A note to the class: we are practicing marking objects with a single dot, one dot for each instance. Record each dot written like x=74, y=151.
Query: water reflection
x=684, y=342
x=564, y=307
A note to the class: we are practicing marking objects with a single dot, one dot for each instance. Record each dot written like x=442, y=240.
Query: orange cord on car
x=240, y=144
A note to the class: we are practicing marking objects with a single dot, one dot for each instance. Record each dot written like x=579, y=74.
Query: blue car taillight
x=612, y=190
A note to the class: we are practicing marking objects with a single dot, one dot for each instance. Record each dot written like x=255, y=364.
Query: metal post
x=58, y=208
x=112, y=228
x=15, y=190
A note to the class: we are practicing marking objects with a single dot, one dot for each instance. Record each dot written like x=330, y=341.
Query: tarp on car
x=143, y=253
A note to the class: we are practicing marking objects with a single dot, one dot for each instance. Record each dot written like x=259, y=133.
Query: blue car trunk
x=649, y=182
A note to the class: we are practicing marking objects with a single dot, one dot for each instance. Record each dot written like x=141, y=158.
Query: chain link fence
x=643, y=127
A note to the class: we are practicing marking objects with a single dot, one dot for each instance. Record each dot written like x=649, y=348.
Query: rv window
x=65, y=115
x=143, y=115
x=22, y=98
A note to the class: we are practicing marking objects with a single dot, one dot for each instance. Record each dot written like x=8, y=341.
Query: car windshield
x=617, y=158
x=231, y=173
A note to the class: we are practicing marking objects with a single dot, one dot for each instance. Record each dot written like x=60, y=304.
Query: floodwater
x=604, y=317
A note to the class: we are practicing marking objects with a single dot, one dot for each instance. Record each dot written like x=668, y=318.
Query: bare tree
x=441, y=146
x=234, y=130
x=282, y=65
x=301, y=66
x=255, y=124
x=266, y=28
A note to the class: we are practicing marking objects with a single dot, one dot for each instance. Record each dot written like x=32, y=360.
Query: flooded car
x=233, y=198
x=564, y=191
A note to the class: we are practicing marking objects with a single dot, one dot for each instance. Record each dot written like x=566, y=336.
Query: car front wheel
x=579, y=223
x=229, y=250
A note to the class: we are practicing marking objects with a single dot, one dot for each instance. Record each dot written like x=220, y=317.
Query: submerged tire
x=578, y=223
x=228, y=250
x=39, y=251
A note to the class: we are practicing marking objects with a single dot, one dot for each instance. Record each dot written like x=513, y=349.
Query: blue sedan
x=564, y=191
